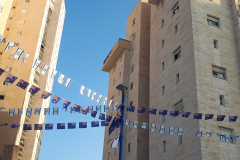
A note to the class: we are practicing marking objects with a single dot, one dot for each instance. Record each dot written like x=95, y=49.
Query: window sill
x=219, y=78
x=215, y=26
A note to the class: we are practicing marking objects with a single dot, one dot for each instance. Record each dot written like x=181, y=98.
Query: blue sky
x=90, y=31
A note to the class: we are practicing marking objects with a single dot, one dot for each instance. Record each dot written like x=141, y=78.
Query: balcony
x=155, y=2
x=24, y=135
x=115, y=53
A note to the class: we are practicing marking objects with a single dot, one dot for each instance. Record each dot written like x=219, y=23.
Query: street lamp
x=122, y=87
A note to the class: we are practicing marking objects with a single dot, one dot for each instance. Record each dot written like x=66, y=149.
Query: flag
x=27, y=127
x=4, y=124
x=153, y=127
x=29, y=112
x=209, y=116
x=55, y=111
x=18, y=53
x=44, y=69
x=233, y=118
x=98, y=108
x=105, y=101
x=219, y=136
x=90, y=109
x=128, y=122
x=61, y=78
x=11, y=78
x=2, y=108
x=71, y=125
x=82, y=89
x=99, y=98
x=115, y=123
x=25, y=57
x=144, y=125
x=171, y=130
x=15, y=125
x=33, y=89
x=94, y=95
x=110, y=103
x=109, y=118
x=130, y=108
x=76, y=108
x=115, y=142
x=22, y=84
x=106, y=108
x=37, y=111
x=8, y=46
x=209, y=134
x=84, y=110
x=82, y=124
x=49, y=126
x=180, y=131
x=199, y=133
x=95, y=124
x=135, y=124
x=46, y=111
x=174, y=113
x=186, y=114
x=162, y=129
x=235, y=138
x=152, y=111
x=141, y=110
x=93, y=114
x=11, y=112
x=2, y=39
x=45, y=95
x=101, y=116
x=66, y=103
x=61, y=126
x=163, y=112
x=36, y=64
x=56, y=99
x=68, y=81
x=1, y=71
x=53, y=74
x=115, y=106
x=197, y=115
x=20, y=110
x=220, y=117
x=38, y=126
x=104, y=123
x=89, y=92
x=228, y=138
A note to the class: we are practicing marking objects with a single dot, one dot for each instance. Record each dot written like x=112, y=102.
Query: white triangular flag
x=82, y=89
x=99, y=98
x=135, y=124
x=2, y=39
x=199, y=133
x=8, y=46
x=209, y=134
x=144, y=125
x=89, y=92
x=180, y=131
x=36, y=64
x=94, y=95
x=68, y=81
x=153, y=127
x=162, y=129
x=18, y=53
x=114, y=107
x=171, y=130
x=110, y=102
x=127, y=122
x=54, y=72
x=115, y=141
x=44, y=69
x=105, y=101
x=61, y=78
x=25, y=57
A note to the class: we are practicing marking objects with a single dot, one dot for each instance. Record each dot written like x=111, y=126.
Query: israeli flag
x=46, y=111
x=61, y=78
x=110, y=103
x=219, y=136
x=18, y=53
x=2, y=39
x=199, y=133
x=162, y=129
x=82, y=89
x=29, y=112
x=180, y=131
x=98, y=108
x=54, y=72
x=89, y=92
x=106, y=108
x=37, y=111
x=153, y=127
x=235, y=138
x=115, y=141
x=144, y=125
x=68, y=82
x=55, y=111
x=20, y=111
x=94, y=95
x=11, y=112
x=135, y=124
x=90, y=109
x=99, y=98
x=228, y=138
x=209, y=134
x=171, y=130
x=115, y=106
x=44, y=69
x=127, y=122
x=36, y=64
x=105, y=101
x=8, y=46
x=25, y=57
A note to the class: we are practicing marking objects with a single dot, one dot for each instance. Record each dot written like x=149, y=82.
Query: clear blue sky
x=90, y=31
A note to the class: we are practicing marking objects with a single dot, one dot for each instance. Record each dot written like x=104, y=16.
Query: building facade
x=36, y=27
x=191, y=65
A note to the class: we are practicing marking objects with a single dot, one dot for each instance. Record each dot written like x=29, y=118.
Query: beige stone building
x=185, y=55
x=36, y=27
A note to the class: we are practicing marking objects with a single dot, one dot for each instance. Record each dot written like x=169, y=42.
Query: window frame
x=177, y=52
x=175, y=8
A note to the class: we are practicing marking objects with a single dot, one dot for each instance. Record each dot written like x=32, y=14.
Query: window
x=175, y=9
x=2, y=97
x=215, y=43
x=176, y=29
x=222, y=100
x=131, y=103
x=120, y=73
x=132, y=68
x=24, y=10
x=163, y=66
x=164, y=146
x=219, y=72
x=162, y=4
x=180, y=139
x=28, y=1
x=177, y=78
x=5, y=83
x=133, y=22
x=179, y=106
x=162, y=23
x=212, y=20
x=163, y=118
x=163, y=90
x=162, y=43
x=129, y=147
x=177, y=54
x=131, y=86
x=226, y=131
x=21, y=21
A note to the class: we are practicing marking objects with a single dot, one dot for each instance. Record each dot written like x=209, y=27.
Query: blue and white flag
x=106, y=108
x=36, y=64
x=98, y=108
x=33, y=89
x=46, y=94
x=180, y=131
x=99, y=98
x=115, y=142
x=55, y=111
x=82, y=89
x=209, y=134
x=144, y=125
x=128, y=122
x=135, y=124
x=56, y=99
x=8, y=46
x=90, y=109
x=235, y=138
x=29, y=112
x=66, y=103
x=37, y=111
x=153, y=127
x=68, y=81
x=171, y=130
x=162, y=129
x=46, y=111
x=199, y=133
x=89, y=92
x=110, y=103
x=20, y=111
x=2, y=39
x=44, y=69
x=219, y=136
x=115, y=106
x=61, y=78
x=1, y=71
x=11, y=112
x=228, y=138
x=22, y=84
x=11, y=78
x=105, y=101
x=54, y=73
x=18, y=53
x=94, y=95
x=25, y=57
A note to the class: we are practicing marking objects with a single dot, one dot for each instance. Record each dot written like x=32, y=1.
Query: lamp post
x=122, y=88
